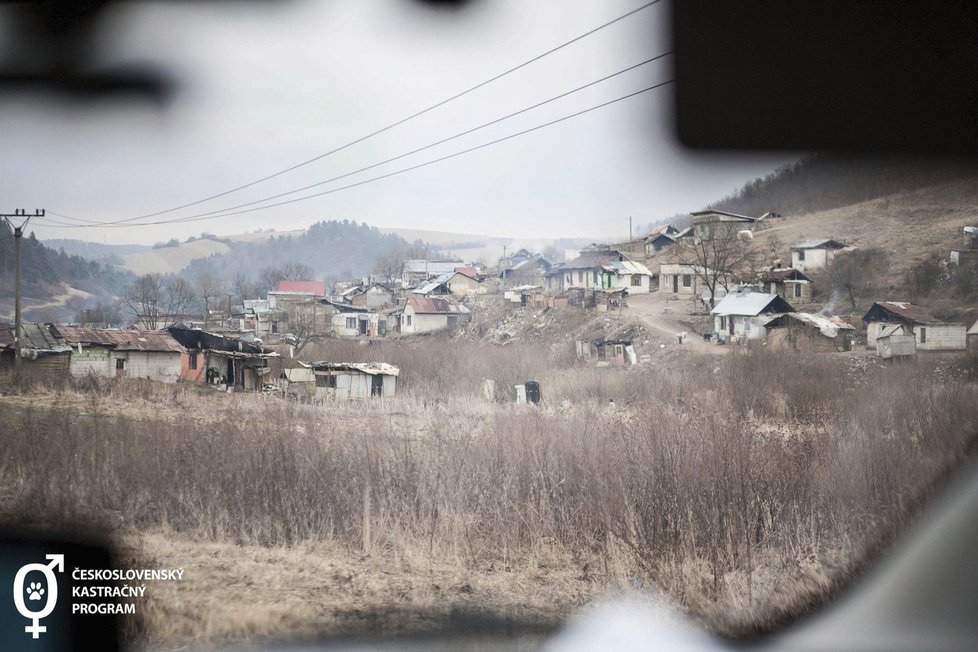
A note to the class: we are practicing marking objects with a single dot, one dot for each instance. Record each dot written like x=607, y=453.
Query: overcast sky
x=264, y=86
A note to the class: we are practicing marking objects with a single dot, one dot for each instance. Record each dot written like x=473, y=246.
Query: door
x=376, y=385
x=675, y=283
x=120, y=368
x=363, y=326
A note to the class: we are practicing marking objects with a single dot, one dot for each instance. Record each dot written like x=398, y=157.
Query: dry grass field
x=744, y=488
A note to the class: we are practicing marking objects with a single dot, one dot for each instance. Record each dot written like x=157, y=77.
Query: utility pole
x=19, y=213
x=629, y=228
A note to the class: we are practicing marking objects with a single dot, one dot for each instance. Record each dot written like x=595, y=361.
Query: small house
x=743, y=315
x=299, y=382
x=805, y=331
x=42, y=353
x=814, y=254
x=526, y=271
x=154, y=355
x=664, y=238
x=788, y=283
x=426, y=314
x=350, y=381
x=374, y=295
x=930, y=333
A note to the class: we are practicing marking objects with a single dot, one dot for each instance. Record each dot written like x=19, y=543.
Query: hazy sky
x=264, y=86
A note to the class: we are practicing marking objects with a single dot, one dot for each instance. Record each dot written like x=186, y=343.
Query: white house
x=742, y=315
x=814, y=254
x=930, y=333
x=426, y=314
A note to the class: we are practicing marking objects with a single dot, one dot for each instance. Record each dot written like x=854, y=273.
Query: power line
x=189, y=218
x=396, y=123
x=411, y=168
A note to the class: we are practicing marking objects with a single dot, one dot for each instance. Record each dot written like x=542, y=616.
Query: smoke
x=829, y=307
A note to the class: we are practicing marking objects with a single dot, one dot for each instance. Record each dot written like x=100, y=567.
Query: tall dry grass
x=717, y=483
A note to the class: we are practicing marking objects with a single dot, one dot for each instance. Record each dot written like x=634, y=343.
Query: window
x=351, y=323
x=923, y=335
x=120, y=364
x=193, y=361
x=801, y=254
x=797, y=289
x=325, y=380
x=580, y=277
x=723, y=323
x=636, y=280
x=687, y=280
x=409, y=320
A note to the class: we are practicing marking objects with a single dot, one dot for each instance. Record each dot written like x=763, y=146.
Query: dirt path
x=666, y=317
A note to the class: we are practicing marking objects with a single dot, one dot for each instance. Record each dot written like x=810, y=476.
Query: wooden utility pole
x=18, y=214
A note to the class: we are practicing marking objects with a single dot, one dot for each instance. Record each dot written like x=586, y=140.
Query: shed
x=215, y=359
x=896, y=341
x=349, y=381
x=42, y=353
x=972, y=338
x=804, y=331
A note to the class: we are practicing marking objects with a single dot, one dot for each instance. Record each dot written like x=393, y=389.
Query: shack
x=351, y=381
x=896, y=341
x=214, y=359
x=805, y=331
x=42, y=353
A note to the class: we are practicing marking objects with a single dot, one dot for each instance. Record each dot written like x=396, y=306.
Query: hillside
x=170, y=260
x=910, y=225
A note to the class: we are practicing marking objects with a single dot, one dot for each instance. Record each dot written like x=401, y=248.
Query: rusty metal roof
x=784, y=274
x=435, y=306
x=900, y=311
x=316, y=288
x=120, y=340
x=35, y=336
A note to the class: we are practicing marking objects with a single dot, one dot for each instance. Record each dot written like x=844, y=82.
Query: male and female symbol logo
x=35, y=593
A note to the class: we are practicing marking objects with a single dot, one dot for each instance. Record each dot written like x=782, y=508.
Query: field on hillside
x=744, y=488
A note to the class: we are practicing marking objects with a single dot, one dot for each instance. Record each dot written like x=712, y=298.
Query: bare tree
x=308, y=322
x=389, y=265
x=269, y=277
x=859, y=273
x=158, y=301
x=718, y=251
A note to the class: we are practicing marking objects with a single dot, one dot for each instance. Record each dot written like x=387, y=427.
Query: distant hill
x=822, y=182
x=333, y=249
x=52, y=277
x=97, y=251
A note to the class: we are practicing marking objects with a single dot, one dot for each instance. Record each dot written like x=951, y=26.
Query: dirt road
x=668, y=317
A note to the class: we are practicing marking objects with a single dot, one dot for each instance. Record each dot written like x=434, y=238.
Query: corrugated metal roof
x=627, y=267
x=751, y=304
x=902, y=310
x=435, y=306
x=722, y=214
x=430, y=267
x=315, y=288
x=372, y=368
x=33, y=336
x=827, y=325
x=784, y=274
x=818, y=244
x=121, y=340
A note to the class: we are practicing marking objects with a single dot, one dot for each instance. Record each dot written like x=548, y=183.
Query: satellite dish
x=745, y=235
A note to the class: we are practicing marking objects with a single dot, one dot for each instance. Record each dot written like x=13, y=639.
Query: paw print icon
x=35, y=591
